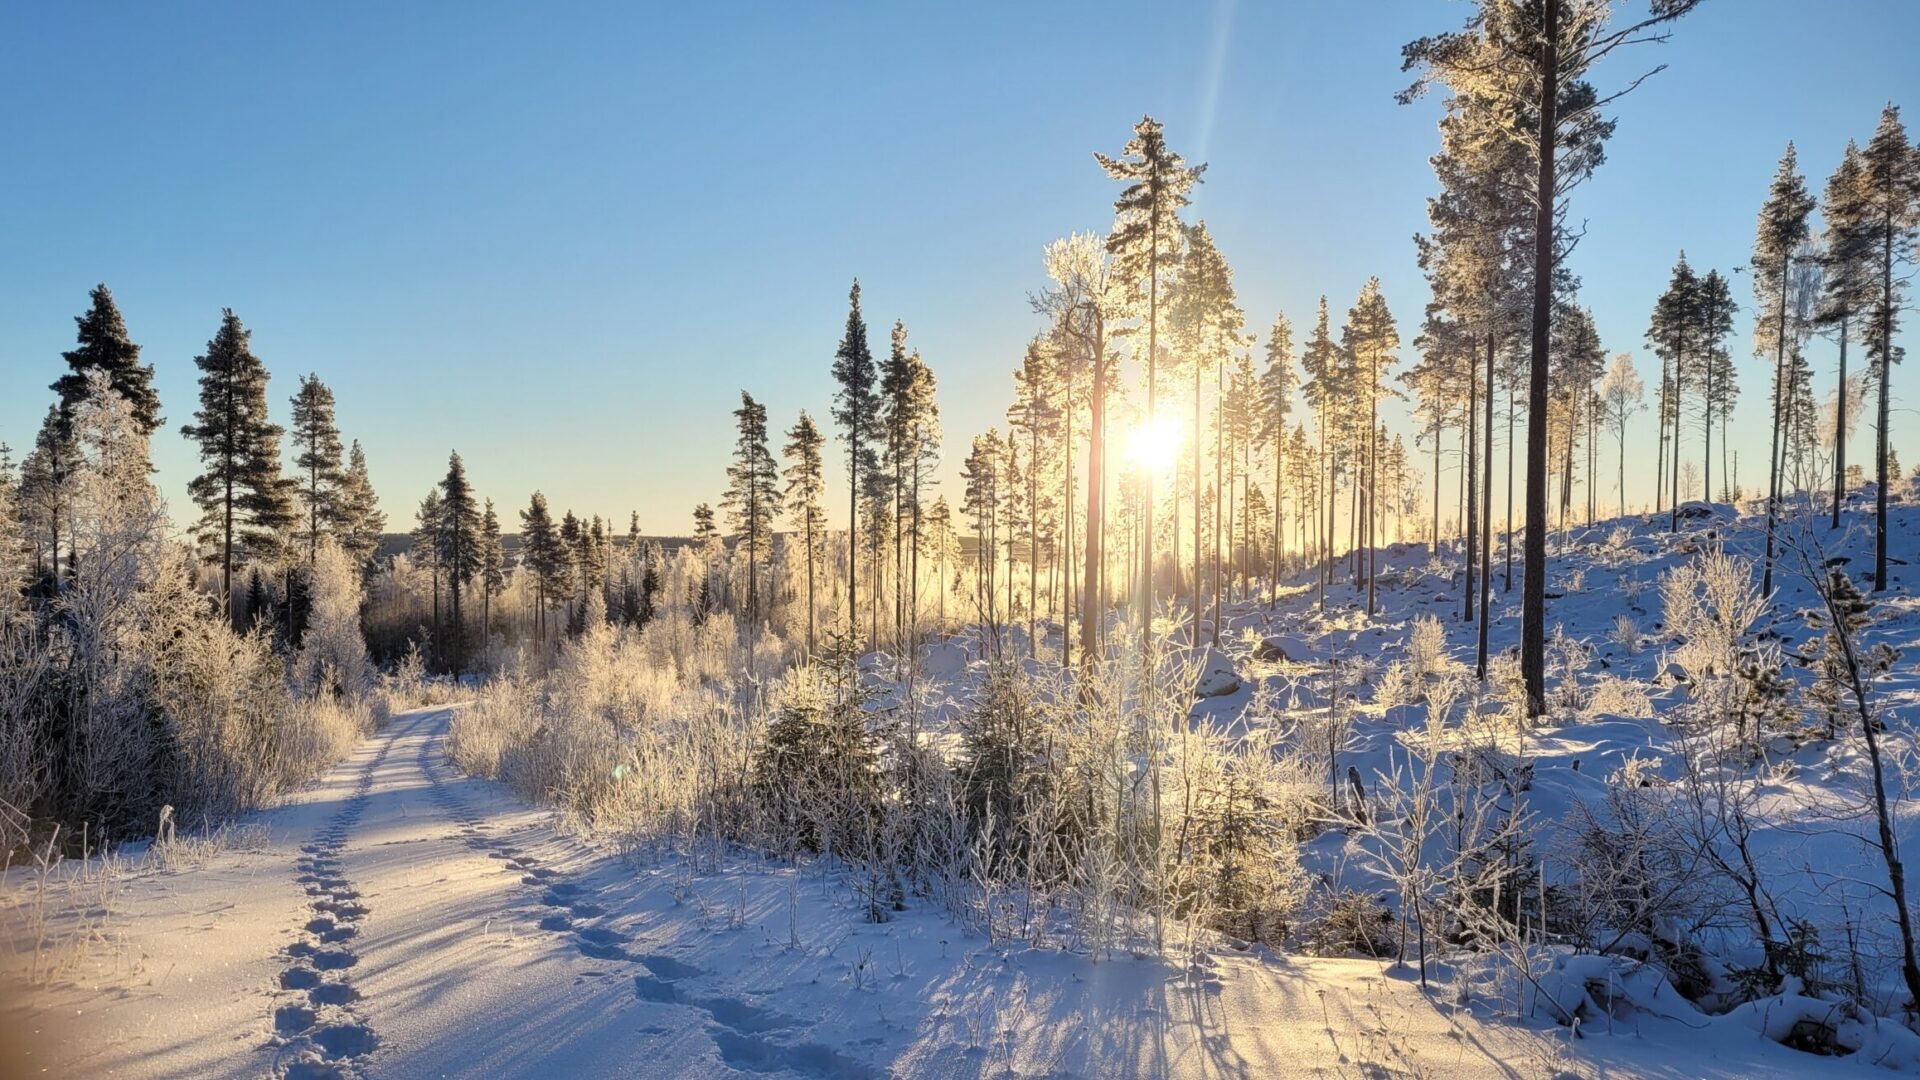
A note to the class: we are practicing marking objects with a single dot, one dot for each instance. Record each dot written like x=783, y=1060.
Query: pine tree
x=751, y=500
x=1578, y=363
x=1783, y=229
x=1719, y=389
x=855, y=409
x=1033, y=416
x=1206, y=322
x=1671, y=333
x=541, y=553
x=1325, y=392
x=318, y=439
x=1473, y=258
x=982, y=473
x=1241, y=418
x=1848, y=259
x=462, y=556
x=1371, y=339
x=1538, y=56
x=1276, y=408
x=806, y=485
x=1890, y=185
x=104, y=346
x=921, y=428
x=241, y=494
x=910, y=425
x=1145, y=244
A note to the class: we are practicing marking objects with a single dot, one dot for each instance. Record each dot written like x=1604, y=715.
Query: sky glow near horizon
x=564, y=245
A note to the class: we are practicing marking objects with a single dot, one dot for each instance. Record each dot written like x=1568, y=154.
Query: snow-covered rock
x=1700, y=510
x=1284, y=647
x=1218, y=676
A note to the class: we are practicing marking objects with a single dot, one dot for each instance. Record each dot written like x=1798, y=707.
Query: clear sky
x=561, y=238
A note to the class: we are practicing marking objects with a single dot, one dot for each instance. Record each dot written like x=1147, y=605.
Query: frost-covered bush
x=1353, y=922
x=1626, y=634
x=332, y=659
x=1611, y=695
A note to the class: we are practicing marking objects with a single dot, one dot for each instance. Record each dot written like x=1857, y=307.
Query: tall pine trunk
x=1533, y=600
x=1840, y=430
x=1486, y=527
x=1780, y=404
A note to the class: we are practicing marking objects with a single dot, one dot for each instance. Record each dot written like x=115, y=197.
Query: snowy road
x=402, y=920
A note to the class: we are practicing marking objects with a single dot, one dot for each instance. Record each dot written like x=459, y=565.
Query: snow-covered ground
x=400, y=919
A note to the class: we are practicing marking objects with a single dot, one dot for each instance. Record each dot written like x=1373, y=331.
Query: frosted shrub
x=1611, y=695
x=1567, y=661
x=1619, y=546
x=1427, y=655
x=501, y=718
x=1626, y=634
x=333, y=656
x=1710, y=604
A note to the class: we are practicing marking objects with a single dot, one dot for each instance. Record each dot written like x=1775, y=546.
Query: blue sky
x=562, y=238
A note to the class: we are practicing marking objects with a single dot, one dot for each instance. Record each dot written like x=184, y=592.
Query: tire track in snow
x=739, y=1029
x=325, y=1035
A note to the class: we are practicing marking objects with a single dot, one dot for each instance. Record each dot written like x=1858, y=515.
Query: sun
x=1154, y=444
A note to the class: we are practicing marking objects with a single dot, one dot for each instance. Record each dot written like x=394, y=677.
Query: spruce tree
x=318, y=440
x=1145, y=244
x=47, y=481
x=361, y=522
x=461, y=555
x=493, y=569
x=705, y=536
x=806, y=486
x=242, y=497
x=1890, y=186
x=1782, y=231
x=855, y=409
x=429, y=521
x=104, y=346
